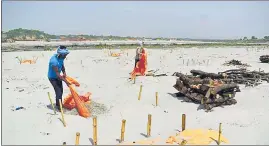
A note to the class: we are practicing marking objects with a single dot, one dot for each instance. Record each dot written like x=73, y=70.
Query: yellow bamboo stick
x=77, y=138
x=62, y=112
x=149, y=125
x=156, y=98
x=183, y=122
x=51, y=103
x=219, y=140
x=140, y=91
x=122, y=130
x=183, y=142
x=94, y=131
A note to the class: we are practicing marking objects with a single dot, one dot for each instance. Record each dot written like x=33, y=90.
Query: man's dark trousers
x=58, y=88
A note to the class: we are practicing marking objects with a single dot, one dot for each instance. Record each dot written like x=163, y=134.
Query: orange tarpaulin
x=74, y=100
x=141, y=65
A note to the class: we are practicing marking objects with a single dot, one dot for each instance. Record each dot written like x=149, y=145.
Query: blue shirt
x=55, y=61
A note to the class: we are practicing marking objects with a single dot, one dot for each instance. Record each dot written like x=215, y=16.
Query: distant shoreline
x=84, y=45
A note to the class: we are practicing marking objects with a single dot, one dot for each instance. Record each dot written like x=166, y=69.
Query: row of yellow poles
x=148, y=130
x=124, y=123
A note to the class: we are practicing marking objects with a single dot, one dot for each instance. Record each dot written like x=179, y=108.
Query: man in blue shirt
x=56, y=66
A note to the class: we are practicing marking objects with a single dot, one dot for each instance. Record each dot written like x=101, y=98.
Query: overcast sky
x=182, y=19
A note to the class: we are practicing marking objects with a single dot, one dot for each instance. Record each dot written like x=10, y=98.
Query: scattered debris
x=18, y=108
x=21, y=90
x=45, y=133
x=264, y=58
x=45, y=87
x=152, y=73
x=236, y=63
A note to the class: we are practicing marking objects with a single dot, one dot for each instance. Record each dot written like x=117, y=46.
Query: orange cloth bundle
x=72, y=81
x=69, y=102
x=141, y=66
x=74, y=100
x=115, y=54
x=82, y=110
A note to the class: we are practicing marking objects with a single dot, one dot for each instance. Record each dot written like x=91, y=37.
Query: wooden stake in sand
x=156, y=98
x=94, y=131
x=140, y=91
x=51, y=103
x=77, y=138
x=183, y=122
x=122, y=130
x=62, y=112
x=219, y=134
x=149, y=125
x=134, y=79
x=183, y=142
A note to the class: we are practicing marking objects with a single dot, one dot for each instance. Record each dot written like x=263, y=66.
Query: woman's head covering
x=61, y=50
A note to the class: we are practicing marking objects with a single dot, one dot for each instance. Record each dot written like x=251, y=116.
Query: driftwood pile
x=236, y=63
x=239, y=76
x=205, y=91
x=211, y=89
x=264, y=58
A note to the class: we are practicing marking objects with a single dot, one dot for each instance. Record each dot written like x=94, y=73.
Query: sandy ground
x=106, y=77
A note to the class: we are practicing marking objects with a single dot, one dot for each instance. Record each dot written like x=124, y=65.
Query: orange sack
x=141, y=66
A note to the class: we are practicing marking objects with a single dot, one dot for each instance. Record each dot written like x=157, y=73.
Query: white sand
x=247, y=122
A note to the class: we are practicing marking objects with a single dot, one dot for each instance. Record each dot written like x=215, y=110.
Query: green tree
x=266, y=37
x=253, y=38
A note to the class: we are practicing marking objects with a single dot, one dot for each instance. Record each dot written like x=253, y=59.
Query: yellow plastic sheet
x=191, y=136
x=197, y=137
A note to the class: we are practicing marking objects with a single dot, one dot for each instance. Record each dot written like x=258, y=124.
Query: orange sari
x=141, y=65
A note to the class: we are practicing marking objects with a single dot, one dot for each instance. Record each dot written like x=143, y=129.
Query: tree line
x=34, y=35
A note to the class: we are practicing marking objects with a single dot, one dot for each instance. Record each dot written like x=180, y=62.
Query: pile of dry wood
x=211, y=89
x=264, y=58
x=236, y=63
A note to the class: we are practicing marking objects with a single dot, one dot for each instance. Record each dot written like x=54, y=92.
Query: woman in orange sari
x=141, y=66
